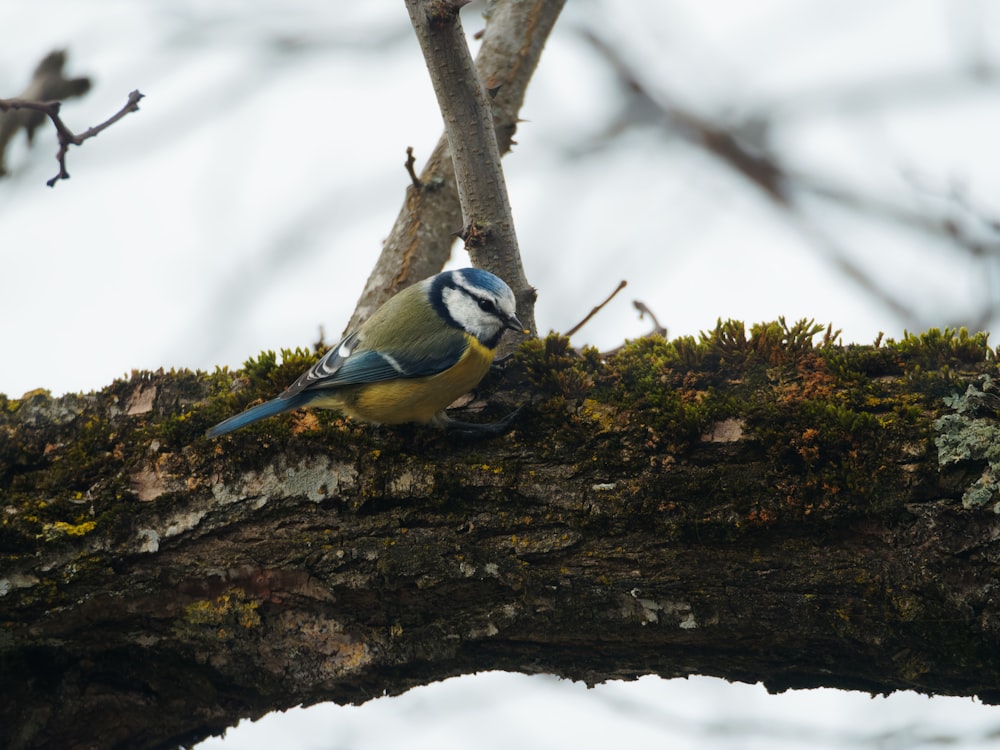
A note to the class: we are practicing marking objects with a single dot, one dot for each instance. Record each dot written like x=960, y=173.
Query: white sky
x=244, y=205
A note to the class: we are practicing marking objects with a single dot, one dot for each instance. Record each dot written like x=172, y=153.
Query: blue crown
x=484, y=280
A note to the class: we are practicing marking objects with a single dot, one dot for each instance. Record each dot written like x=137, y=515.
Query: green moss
x=861, y=363
x=688, y=384
x=937, y=348
x=265, y=374
x=823, y=414
x=553, y=366
x=774, y=344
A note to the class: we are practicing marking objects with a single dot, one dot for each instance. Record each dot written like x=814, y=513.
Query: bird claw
x=478, y=430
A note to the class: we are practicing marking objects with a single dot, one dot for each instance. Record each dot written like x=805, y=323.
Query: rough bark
x=748, y=507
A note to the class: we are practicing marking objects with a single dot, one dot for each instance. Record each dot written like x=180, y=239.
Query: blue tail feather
x=261, y=411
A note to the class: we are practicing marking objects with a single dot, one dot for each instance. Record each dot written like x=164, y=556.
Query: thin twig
x=66, y=136
x=410, y=161
x=621, y=285
x=658, y=330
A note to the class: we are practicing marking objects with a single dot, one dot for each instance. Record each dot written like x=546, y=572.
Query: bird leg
x=477, y=430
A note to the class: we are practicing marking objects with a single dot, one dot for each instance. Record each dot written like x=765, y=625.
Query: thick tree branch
x=424, y=232
x=752, y=507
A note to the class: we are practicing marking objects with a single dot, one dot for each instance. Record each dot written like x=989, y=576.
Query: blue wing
x=349, y=363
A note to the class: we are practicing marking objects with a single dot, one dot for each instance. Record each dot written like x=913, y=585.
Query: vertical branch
x=487, y=224
x=423, y=234
x=468, y=120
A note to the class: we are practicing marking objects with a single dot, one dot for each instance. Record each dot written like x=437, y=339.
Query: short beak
x=515, y=325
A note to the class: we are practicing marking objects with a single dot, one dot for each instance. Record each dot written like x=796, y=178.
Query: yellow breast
x=413, y=399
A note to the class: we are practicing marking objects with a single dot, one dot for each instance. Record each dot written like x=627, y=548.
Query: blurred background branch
x=750, y=146
x=64, y=135
x=48, y=85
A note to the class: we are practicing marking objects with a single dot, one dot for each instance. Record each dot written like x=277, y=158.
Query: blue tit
x=421, y=350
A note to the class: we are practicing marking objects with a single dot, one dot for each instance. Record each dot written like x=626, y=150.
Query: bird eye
x=486, y=306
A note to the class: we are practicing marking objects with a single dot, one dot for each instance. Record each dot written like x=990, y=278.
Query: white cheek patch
x=465, y=310
x=461, y=306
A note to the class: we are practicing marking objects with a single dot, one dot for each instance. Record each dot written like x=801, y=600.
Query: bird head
x=477, y=302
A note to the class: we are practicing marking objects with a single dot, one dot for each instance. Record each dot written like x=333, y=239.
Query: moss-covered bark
x=754, y=506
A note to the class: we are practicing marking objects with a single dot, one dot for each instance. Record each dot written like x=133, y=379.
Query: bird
x=422, y=349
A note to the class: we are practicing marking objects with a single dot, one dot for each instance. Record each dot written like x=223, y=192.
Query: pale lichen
x=972, y=434
x=315, y=480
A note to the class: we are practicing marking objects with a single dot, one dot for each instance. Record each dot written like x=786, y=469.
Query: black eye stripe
x=446, y=281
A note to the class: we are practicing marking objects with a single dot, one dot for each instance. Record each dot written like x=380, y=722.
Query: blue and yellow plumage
x=421, y=350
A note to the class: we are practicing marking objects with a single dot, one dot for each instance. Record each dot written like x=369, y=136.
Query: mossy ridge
x=682, y=386
x=825, y=412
